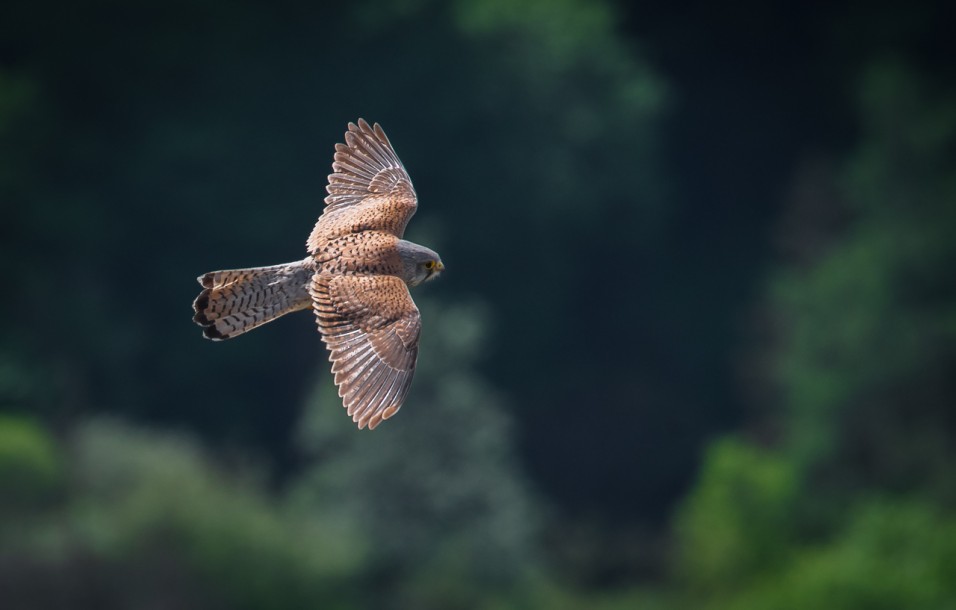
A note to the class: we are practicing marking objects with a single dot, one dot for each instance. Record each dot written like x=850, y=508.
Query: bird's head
x=419, y=264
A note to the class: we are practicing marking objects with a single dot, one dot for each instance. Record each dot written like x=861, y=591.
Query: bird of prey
x=355, y=279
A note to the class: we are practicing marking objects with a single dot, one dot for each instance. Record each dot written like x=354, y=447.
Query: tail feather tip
x=213, y=334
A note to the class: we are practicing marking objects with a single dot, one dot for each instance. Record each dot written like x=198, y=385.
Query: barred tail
x=238, y=300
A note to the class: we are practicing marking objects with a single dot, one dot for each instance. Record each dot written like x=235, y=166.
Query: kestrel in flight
x=355, y=278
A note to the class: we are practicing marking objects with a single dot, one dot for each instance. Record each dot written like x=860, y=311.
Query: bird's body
x=355, y=278
x=367, y=252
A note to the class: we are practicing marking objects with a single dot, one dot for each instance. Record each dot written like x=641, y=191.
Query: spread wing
x=369, y=189
x=371, y=327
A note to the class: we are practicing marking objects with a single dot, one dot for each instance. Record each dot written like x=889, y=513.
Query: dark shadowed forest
x=695, y=346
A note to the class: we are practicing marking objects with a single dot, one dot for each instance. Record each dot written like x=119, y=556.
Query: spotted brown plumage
x=355, y=279
x=371, y=327
x=369, y=188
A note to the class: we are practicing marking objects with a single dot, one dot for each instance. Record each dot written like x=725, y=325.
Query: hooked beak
x=436, y=270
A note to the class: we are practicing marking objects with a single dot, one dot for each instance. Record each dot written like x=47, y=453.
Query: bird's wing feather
x=371, y=327
x=369, y=188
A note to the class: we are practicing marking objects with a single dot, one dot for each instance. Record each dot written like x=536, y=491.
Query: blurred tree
x=451, y=520
x=737, y=524
x=150, y=521
x=868, y=344
x=855, y=507
x=30, y=468
x=892, y=555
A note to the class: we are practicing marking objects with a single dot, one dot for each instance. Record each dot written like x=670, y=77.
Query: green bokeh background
x=695, y=347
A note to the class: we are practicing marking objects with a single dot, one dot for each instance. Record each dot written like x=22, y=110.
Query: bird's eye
x=430, y=265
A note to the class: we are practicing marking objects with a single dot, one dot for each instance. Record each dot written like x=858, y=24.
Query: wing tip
x=362, y=128
x=381, y=416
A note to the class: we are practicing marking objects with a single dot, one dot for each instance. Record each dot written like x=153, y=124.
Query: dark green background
x=694, y=347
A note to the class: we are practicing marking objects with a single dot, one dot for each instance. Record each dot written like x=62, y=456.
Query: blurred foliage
x=866, y=360
x=30, y=468
x=145, y=495
x=892, y=555
x=855, y=508
x=439, y=495
x=737, y=523
x=149, y=520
